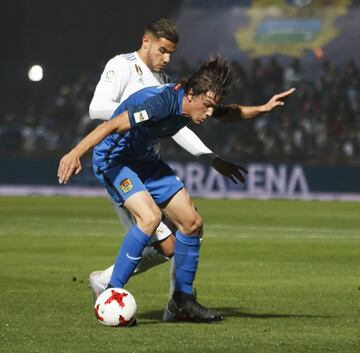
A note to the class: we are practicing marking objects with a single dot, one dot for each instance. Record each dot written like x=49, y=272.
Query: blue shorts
x=124, y=180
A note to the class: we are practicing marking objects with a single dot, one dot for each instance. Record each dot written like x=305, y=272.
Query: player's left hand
x=230, y=170
x=69, y=165
x=277, y=100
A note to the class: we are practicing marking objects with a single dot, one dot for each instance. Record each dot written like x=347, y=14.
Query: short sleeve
x=155, y=108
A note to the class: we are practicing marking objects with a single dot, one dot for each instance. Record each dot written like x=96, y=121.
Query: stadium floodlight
x=35, y=73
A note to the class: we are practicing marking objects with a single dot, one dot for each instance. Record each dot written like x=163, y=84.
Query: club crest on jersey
x=141, y=116
x=126, y=185
x=138, y=69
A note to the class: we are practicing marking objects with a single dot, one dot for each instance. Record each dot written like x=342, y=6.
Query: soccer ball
x=115, y=307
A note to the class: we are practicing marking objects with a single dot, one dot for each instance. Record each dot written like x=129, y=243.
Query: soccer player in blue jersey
x=134, y=174
x=124, y=75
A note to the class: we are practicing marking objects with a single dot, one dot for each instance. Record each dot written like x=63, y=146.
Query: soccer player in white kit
x=123, y=75
x=126, y=74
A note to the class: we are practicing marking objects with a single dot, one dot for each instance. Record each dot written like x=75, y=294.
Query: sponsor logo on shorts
x=126, y=185
x=138, y=69
x=140, y=116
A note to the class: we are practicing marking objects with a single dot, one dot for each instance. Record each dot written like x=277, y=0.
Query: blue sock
x=186, y=256
x=129, y=256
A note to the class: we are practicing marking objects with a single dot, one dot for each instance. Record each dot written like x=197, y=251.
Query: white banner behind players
x=264, y=180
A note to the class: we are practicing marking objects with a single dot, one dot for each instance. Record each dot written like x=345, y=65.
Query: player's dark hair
x=213, y=75
x=163, y=28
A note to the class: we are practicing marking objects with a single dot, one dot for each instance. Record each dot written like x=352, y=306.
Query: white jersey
x=124, y=75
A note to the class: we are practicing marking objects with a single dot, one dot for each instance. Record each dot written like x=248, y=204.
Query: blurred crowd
x=320, y=122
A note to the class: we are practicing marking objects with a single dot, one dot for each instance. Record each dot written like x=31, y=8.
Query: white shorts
x=127, y=220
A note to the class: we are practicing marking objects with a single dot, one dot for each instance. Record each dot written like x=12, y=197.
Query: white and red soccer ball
x=115, y=307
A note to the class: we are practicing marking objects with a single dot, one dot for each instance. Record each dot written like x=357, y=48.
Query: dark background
x=72, y=41
x=68, y=38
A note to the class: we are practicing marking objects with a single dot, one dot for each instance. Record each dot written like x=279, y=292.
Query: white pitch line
x=211, y=235
x=288, y=229
x=314, y=236
x=238, y=228
x=65, y=234
x=271, y=228
x=211, y=230
x=67, y=220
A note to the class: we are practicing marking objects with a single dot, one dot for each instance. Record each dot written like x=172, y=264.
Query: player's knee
x=169, y=253
x=150, y=221
x=192, y=225
x=167, y=246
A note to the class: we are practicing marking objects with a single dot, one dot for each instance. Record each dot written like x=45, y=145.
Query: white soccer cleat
x=97, y=287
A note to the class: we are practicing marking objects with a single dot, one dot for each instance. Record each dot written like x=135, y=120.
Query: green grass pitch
x=285, y=274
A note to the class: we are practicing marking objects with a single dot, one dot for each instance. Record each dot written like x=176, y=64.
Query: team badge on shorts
x=126, y=185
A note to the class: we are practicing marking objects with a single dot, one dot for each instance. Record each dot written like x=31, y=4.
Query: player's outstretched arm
x=230, y=170
x=236, y=112
x=190, y=142
x=70, y=163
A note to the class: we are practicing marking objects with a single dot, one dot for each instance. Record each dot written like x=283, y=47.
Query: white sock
x=172, y=279
x=150, y=257
x=105, y=276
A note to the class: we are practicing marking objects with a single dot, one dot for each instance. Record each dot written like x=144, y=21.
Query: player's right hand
x=230, y=170
x=69, y=165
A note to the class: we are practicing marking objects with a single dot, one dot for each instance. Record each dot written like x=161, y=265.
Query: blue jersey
x=154, y=112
